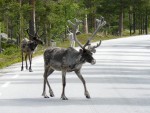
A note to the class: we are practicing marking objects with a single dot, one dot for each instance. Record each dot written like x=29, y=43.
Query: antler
x=35, y=35
x=93, y=48
x=77, y=22
x=97, y=44
x=29, y=33
x=101, y=23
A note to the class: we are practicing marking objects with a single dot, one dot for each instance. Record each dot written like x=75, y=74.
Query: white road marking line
x=5, y=84
x=15, y=76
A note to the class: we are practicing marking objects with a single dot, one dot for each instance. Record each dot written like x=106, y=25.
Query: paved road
x=118, y=83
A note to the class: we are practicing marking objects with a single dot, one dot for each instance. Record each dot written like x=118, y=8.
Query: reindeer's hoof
x=30, y=70
x=52, y=95
x=88, y=97
x=64, y=98
x=46, y=96
x=21, y=68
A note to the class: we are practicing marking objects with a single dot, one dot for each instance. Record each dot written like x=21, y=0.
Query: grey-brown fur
x=68, y=60
x=65, y=60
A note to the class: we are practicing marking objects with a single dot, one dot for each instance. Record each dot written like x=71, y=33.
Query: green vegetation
x=12, y=54
x=49, y=17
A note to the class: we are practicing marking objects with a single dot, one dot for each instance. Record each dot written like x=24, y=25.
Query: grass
x=13, y=54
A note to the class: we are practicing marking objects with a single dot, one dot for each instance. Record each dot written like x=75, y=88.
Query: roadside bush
x=9, y=56
x=11, y=50
x=113, y=30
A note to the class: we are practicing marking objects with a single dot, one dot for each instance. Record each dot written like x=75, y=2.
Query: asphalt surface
x=118, y=83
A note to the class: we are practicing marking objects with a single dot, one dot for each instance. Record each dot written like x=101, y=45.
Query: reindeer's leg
x=22, y=61
x=44, y=85
x=64, y=84
x=26, y=61
x=86, y=93
x=50, y=89
x=30, y=60
x=46, y=74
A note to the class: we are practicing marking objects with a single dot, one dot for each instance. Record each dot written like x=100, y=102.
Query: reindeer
x=67, y=60
x=71, y=38
x=28, y=47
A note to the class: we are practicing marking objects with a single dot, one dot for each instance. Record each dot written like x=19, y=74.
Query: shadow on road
x=35, y=102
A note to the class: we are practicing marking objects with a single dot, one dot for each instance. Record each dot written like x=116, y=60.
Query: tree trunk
x=130, y=23
x=143, y=25
x=140, y=24
x=134, y=22
x=85, y=25
x=32, y=28
x=45, y=34
x=20, y=34
x=121, y=19
x=0, y=38
x=146, y=22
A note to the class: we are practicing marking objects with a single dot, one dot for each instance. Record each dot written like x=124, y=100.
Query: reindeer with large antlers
x=68, y=60
x=28, y=47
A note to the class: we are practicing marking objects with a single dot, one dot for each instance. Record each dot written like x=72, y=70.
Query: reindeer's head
x=35, y=38
x=87, y=56
x=87, y=53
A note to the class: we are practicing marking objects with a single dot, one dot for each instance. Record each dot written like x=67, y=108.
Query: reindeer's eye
x=90, y=53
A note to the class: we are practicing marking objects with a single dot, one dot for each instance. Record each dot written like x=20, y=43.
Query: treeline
x=49, y=17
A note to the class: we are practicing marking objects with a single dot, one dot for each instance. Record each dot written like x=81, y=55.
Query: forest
x=49, y=18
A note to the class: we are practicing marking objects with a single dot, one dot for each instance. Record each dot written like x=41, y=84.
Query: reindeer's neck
x=78, y=63
x=32, y=46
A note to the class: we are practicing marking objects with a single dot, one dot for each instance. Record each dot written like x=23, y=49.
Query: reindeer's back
x=57, y=57
x=53, y=54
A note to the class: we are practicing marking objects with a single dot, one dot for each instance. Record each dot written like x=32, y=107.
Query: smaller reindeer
x=71, y=38
x=28, y=47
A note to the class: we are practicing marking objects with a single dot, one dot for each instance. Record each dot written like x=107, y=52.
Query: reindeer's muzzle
x=93, y=62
